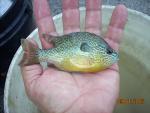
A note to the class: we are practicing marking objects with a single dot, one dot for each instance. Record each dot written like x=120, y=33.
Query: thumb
x=30, y=75
x=116, y=26
x=30, y=69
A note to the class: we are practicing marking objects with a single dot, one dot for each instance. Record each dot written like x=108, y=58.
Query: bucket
x=134, y=66
x=15, y=22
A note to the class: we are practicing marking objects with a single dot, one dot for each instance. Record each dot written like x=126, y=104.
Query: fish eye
x=109, y=51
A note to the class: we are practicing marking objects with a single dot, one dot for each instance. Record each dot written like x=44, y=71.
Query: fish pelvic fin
x=30, y=53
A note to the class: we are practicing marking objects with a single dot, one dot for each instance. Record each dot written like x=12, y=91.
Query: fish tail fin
x=30, y=53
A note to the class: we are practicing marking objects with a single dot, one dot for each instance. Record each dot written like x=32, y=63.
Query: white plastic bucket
x=134, y=66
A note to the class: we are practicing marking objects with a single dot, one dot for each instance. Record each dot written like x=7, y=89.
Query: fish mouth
x=115, y=56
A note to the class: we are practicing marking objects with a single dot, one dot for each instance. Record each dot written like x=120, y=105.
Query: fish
x=74, y=52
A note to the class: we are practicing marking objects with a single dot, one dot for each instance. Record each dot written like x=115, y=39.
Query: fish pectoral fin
x=82, y=62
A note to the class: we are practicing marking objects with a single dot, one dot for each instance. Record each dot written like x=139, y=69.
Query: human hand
x=55, y=91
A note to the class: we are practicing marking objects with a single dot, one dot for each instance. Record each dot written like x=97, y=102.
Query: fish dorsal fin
x=50, y=38
x=55, y=40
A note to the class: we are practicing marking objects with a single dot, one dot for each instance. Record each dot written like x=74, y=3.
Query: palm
x=62, y=92
x=71, y=91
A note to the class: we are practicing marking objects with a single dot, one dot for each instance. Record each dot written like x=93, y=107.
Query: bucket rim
x=12, y=5
x=8, y=77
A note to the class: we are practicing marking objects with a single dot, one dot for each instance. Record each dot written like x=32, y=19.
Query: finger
x=116, y=26
x=44, y=20
x=71, y=16
x=93, y=16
